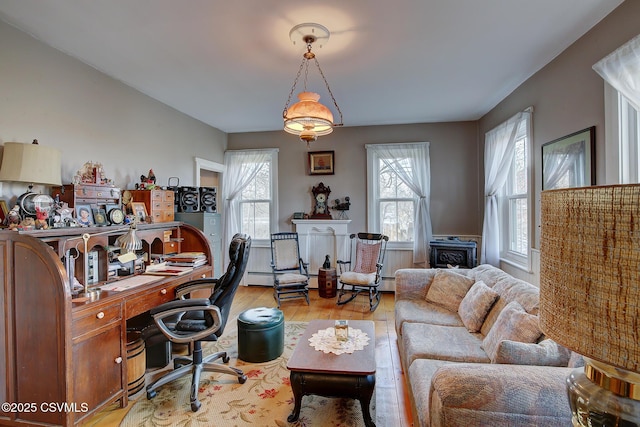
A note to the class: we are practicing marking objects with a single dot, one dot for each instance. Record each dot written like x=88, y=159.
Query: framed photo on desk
x=140, y=211
x=84, y=215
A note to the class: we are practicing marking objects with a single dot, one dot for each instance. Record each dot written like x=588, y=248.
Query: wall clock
x=320, y=200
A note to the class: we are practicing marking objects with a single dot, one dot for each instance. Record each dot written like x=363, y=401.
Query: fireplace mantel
x=326, y=237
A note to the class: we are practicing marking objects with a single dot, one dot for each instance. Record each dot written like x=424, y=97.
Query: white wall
x=52, y=97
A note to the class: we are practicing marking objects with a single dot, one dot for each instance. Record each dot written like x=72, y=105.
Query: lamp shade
x=30, y=163
x=590, y=272
x=308, y=115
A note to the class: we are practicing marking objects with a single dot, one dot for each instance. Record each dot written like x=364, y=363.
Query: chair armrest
x=182, y=304
x=305, y=266
x=342, y=265
x=412, y=283
x=196, y=285
x=179, y=307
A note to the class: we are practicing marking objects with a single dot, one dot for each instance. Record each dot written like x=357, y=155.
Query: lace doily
x=325, y=340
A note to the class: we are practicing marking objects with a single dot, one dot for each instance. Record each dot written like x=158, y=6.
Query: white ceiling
x=231, y=64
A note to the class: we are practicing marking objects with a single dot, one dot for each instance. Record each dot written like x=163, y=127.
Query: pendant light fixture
x=308, y=118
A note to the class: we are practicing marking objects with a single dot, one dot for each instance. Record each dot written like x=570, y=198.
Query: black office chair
x=290, y=273
x=363, y=274
x=191, y=321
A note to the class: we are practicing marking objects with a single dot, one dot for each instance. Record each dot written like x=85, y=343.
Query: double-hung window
x=250, y=193
x=515, y=201
x=508, y=216
x=398, y=183
x=255, y=204
x=621, y=72
x=622, y=121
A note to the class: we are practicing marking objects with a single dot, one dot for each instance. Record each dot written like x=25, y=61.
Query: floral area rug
x=265, y=399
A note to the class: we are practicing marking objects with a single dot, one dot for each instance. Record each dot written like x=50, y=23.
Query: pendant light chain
x=305, y=64
x=293, y=88
x=335, y=104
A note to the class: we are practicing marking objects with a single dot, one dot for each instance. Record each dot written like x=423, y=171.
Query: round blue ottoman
x=260, y=334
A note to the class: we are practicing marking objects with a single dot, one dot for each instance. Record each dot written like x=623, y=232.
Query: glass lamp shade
x=308, y=116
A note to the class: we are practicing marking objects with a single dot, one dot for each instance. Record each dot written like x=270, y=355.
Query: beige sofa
x=472, y=351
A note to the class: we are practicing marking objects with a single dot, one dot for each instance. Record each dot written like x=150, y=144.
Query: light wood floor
x=392, y=401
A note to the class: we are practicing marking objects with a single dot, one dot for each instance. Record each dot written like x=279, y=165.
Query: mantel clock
x=320, y=200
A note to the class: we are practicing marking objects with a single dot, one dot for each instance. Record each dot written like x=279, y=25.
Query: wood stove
x=453, y=252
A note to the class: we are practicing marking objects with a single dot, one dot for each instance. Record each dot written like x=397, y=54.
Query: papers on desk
x=128, y=283
x=163, y=269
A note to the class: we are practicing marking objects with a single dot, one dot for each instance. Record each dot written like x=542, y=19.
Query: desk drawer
x=95, y=319
x=142, y=303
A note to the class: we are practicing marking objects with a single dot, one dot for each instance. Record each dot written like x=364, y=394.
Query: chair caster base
x=195, y=406
x=151, y=394
x=242, y=379
x=225, y=359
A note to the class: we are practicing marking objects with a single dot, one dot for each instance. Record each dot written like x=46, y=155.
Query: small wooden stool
x=327, y=282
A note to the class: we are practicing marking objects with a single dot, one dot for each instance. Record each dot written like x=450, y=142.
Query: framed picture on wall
x=321, y=163
x=569, y=161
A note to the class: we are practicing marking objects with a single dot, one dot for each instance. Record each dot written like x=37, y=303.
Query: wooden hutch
x=61, y=350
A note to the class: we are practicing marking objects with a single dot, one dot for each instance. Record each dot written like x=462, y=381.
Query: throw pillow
x=367, y=257
x=448, y=289
x=475, y=306
x=546, y=353
x=513, y=323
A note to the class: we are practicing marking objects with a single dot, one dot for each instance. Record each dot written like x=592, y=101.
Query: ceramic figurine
x=327, y=262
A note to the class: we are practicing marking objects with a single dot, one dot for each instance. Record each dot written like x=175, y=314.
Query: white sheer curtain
x=498, y=153
x=418, y=178
x=242, y=168
x=563, y=161
x=621, y=69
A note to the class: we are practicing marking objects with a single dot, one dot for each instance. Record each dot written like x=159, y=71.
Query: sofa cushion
x=546, y=353
x=351, y=277
x=513, y=324
x=421, y=311
x=453, y=343
x=511, y=289
x=469, y=395
x=448, y=289
x=475, y=305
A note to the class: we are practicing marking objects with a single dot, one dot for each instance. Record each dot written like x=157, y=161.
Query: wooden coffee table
x=330, y=375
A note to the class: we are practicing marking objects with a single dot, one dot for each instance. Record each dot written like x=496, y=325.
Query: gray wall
x=52, y=97
x=567, y=95
x=455, y=202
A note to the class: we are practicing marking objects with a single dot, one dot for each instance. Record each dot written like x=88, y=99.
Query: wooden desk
x=61, y=352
